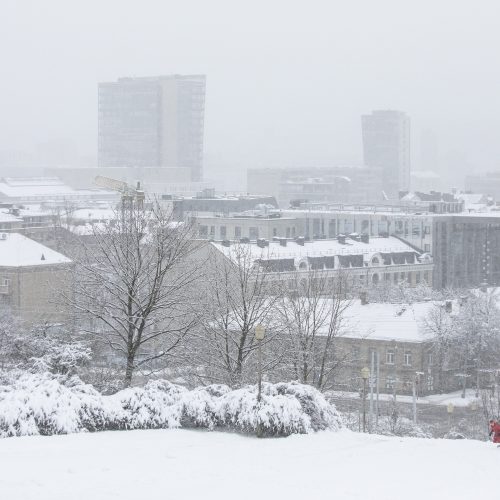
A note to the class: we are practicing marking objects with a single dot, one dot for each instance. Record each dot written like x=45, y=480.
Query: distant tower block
x=152, y=122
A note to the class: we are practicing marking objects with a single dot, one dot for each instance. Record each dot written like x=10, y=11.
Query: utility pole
x=372, y=380
x=365, y=374
x=260, y=333
x=378, y=388
x=414, y=399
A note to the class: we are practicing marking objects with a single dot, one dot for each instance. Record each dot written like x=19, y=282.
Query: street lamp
x=260, y=333
x=365, y=375
x=449, y=410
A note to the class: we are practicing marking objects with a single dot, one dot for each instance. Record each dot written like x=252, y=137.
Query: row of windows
x=391, y=356
x=253, y=232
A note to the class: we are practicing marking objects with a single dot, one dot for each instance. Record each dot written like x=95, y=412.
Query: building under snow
x=31, y=276
x=364, y=260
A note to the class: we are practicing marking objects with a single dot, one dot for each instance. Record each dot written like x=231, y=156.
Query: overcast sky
x=287, y=81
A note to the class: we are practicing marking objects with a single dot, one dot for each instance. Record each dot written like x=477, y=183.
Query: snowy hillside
x=184, y=465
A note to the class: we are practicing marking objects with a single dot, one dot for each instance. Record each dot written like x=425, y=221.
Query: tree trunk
x=129, y=370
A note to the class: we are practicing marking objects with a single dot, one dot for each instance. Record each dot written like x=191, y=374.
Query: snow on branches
x=41, y=404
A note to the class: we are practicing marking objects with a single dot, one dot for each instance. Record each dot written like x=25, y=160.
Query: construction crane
x=128, y=193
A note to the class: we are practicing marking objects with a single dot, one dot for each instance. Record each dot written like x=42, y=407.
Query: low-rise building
x=363, y=260
x=31, y=277
x=395, y=337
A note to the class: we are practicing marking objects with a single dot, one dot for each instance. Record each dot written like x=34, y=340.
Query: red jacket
x=495, y=430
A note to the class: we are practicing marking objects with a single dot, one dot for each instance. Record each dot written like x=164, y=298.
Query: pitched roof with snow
x=318, y=248
x=398, y=322
x=18, y=251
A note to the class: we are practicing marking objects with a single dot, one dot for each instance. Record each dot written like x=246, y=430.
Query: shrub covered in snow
x=40, y=404
x=401, y=426
x=46, y=404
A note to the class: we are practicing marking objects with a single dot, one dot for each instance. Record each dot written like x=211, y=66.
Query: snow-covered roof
x=93, y=214
x=398, y=322
x=43, y=187
x=317, y=248
x=18, y=251
x=6, y=217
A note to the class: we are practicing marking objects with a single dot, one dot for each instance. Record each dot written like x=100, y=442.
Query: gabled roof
x=18, y=251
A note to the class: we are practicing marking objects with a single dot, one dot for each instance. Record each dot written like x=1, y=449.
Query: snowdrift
x=46, y=405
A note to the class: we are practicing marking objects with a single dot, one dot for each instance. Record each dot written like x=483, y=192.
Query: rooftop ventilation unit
x=262, y=242
x=365, y=238
x=226, y=243
x=341, y=239
x=300, y=241
x=244, y=240
x=283, y=242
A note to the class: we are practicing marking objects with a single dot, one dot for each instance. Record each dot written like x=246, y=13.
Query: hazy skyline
x=287, y=82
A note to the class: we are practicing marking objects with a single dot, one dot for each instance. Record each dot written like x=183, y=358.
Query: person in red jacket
x=495, y=431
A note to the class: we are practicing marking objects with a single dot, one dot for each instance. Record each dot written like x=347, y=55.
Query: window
x=288, y=232
x=332, y=229
x=223, y=232
x=203, y=231
x=389, y=357
x=430, y=383
x=427, y=247
x=316, y=230
x=427, y=229
x=254, y=233
x=212, y=231
x=395, y=278
x=355, y=355
x=390, y=382
x=275, y=232
x=407, y=358
x=417, y=277
x=430, y=359
x=237, y=232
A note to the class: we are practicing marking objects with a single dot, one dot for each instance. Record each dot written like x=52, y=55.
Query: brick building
x=31, y=276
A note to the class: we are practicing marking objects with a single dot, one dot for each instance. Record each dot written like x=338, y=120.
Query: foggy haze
x=287, y=81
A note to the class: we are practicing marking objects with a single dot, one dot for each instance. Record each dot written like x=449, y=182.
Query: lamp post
x=450, y=409
x=260, y=333
x=365, y=375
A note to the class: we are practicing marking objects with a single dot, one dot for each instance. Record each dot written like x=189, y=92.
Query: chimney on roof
x=262, y=242
x=244, y=240
x=341, y=239
x=226, y=243
x=283, y=242
x=43, y=257
x=300, y=241
x=365, y=238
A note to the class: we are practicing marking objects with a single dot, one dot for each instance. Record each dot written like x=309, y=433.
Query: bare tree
x=134, y=282
x=241, y=294
x=439, y=327
x=312, y=313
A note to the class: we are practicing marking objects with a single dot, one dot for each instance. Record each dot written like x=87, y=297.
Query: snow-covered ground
x=455, y=398
x=183, y=465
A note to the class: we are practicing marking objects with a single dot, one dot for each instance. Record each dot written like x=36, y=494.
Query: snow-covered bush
x=40, y=404
x=45, y=404
x=157, y=405
x=401, y=426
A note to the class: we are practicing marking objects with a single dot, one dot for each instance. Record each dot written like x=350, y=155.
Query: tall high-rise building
x=386, y=145
x=152, y=122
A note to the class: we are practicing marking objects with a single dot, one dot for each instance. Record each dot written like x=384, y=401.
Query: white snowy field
x=184, y=464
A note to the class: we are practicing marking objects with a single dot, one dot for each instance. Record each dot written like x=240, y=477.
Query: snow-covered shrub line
x=42, y=404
